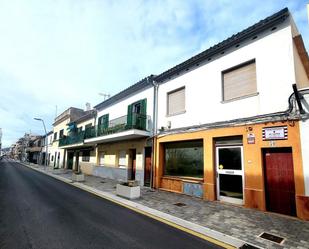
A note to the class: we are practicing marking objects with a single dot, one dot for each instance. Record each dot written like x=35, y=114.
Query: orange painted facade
x=254, y=185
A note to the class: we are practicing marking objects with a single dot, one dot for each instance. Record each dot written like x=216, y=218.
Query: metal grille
x=272, y=237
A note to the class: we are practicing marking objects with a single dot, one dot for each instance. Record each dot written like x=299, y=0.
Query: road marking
x=202, y=236
x=133, y=208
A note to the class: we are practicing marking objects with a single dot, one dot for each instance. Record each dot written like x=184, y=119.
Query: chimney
x=88, y=106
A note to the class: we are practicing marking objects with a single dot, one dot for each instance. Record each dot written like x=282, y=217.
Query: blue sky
x=65, y=52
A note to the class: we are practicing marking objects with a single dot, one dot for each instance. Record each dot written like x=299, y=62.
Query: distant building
x=34, y=148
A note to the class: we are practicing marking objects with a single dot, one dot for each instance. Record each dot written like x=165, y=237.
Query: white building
x=229, y=121
x=115, y=140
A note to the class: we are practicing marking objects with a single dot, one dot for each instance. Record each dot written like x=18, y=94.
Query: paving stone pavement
x=242, y=223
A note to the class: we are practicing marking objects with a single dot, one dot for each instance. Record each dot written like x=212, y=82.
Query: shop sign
x=251, y=138
x=275, y=133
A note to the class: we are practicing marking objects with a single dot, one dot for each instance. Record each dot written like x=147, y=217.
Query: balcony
x=73, y=138
x=137, y=125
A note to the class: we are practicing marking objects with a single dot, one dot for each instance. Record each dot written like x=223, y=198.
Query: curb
x=205, y=233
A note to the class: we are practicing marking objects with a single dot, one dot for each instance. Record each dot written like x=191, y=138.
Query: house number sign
x=275, y=133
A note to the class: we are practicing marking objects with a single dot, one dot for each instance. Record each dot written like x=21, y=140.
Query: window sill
x=239, y=98
x=175, y=114
x=184, y=178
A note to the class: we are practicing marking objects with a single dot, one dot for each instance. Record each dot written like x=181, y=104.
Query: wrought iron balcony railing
x=73, y=138
x=135, y=121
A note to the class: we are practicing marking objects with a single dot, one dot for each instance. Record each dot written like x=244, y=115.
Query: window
x=122, y=160
x=184, y=158
x=61, y=134
x=239, y=81
x=55, y=136
x=176, y=102
x=86, y=156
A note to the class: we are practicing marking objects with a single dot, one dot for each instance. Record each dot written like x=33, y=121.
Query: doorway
x=279, y=180
x=70, y=160
x=76, y=168
x=55, y=158
x=147, y=169
x=230, y=177
x=132, y=168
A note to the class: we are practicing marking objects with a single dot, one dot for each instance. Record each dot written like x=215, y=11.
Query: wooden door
x=133, y=164
x=279, y=181
x=147, y=170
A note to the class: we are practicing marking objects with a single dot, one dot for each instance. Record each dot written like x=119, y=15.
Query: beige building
x=78, y=155
x=60, y=129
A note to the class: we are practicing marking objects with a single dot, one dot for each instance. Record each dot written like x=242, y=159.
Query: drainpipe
x=154, y=127
x=95, y=130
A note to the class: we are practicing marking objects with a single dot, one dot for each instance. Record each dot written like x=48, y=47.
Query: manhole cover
x=272, y=237
x=180, y=204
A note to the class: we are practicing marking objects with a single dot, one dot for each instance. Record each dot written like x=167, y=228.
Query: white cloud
x=64, y=52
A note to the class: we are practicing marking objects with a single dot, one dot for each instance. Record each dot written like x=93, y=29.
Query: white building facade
x=229, y=122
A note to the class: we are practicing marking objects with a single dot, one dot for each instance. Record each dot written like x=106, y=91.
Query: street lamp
x=46, y=141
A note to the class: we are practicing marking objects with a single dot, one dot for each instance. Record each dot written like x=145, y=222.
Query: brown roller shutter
x=176, y=101
x=239, y=82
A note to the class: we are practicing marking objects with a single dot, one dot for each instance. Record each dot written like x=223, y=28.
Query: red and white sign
x=275, y=133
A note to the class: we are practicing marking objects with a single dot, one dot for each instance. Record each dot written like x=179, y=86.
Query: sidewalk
x=237, y=222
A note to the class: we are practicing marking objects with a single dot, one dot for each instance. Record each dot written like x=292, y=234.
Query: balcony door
x=136, y=118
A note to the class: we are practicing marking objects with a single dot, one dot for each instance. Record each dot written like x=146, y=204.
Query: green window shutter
x=144, y=106
x=100, y=120
x=129, y=116
x=105, y=120
x=144, y=113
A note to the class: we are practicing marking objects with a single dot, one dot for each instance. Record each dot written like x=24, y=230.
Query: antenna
x=105, y=95
x=56, y=111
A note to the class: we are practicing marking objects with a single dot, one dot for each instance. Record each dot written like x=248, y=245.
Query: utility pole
x=46, y=142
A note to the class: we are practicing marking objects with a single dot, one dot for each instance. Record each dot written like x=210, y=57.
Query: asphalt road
x=38, y=211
